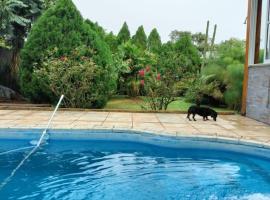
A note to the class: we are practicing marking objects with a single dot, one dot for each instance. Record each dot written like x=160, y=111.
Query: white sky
x=168, y=15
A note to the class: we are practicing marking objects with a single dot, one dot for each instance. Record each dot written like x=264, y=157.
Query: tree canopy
x=154, y=41
x=140, y=38
x=124, y=34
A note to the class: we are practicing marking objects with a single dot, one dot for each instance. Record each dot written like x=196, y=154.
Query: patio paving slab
x=227, y=126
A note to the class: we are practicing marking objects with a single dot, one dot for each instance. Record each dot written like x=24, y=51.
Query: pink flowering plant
x=159, y=89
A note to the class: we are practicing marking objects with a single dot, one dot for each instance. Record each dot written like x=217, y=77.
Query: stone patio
x=227, y=126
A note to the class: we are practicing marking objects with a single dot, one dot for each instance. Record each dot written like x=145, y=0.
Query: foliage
x=112, y=41
x=96, y=28
x=180, y=57
x=124, y=34
x=159, y=89
x=60, y=29
x=233, y=94
x=76, y=76
x=133, y=60
x=154, y=41
x=9, y=15
x=227, y=68
x=49, y=3
x=201, y=87
x=230, y=52
x=16, y=18
x=177, y=35
x=140, y=38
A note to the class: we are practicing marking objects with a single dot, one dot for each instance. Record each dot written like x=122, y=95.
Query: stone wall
x=258, y=99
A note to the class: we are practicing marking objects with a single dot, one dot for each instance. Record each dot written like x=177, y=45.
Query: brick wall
x=258, y=99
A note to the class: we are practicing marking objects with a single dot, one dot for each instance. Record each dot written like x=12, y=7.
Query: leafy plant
x=159, y=89
x=61, y=29
x=233, y=94
x=201, y=87
x=77, y=76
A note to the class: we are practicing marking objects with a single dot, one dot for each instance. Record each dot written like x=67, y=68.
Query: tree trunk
x=14, y=69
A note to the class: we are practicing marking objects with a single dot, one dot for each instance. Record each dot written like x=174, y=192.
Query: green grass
x=126, y=103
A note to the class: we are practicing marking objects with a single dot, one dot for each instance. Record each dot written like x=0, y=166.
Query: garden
x=47, y=49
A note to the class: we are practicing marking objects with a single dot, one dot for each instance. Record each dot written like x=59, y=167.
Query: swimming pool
x=107, y=165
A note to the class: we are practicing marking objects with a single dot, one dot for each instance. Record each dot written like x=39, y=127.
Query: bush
x=60, y=30
x=201, y=88
x=76, y=76
x=233, y=94
x=159, y=89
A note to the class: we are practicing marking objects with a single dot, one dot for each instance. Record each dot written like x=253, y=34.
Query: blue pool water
x=108, y=170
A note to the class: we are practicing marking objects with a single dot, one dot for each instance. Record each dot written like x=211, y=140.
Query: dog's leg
x=207, y=118
x=188, y=117
x=194, y=117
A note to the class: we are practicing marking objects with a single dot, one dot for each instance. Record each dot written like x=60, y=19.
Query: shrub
x=202, y=87
x=60, y=29
x=159, y=89
x=233, y=94
x=76, y=76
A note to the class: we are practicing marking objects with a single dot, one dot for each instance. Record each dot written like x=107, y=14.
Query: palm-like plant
x=8, y=14
x=16, y=17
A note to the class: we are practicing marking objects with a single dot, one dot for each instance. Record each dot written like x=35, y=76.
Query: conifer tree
x=124, y=34
x=57, y=33
x=62, y=27
x=140, y=38
x=154, y=41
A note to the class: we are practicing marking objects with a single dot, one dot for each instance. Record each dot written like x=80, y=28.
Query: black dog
x=202, y=111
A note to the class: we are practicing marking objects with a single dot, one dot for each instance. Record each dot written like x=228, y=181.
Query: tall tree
x=124, y=34
x=140, y=38
x=97, y=28
x=111, y=40
x=180, y=57
x=154, y=41
x=177, y=35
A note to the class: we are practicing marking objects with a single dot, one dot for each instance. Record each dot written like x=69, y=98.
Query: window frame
x=267, y=33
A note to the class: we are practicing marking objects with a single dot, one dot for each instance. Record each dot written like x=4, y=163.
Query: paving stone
x=231, y=127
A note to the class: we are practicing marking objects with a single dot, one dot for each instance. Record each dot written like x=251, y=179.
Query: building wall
x=258, y=96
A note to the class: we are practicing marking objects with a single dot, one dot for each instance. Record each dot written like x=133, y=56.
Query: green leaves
x=154, y=41
x=124, y=34
x=62, y=30
x=140, y=38
x=76, y=76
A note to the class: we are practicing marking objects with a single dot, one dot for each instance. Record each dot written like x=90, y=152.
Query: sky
x=169, y=15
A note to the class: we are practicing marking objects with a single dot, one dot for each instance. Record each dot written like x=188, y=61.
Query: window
x=267, y=36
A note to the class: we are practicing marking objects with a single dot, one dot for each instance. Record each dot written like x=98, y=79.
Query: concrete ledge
x=103, y=110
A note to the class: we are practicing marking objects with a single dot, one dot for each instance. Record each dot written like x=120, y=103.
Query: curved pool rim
x=236, y=145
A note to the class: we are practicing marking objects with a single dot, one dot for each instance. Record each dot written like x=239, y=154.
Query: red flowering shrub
x=141, y=73
x=159, y=90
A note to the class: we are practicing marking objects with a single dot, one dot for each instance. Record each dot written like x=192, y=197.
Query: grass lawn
x=126, y=103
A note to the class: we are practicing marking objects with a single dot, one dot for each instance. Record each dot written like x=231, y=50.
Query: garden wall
x=258, y=99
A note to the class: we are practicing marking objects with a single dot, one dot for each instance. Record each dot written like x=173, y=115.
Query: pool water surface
x=120, y=170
